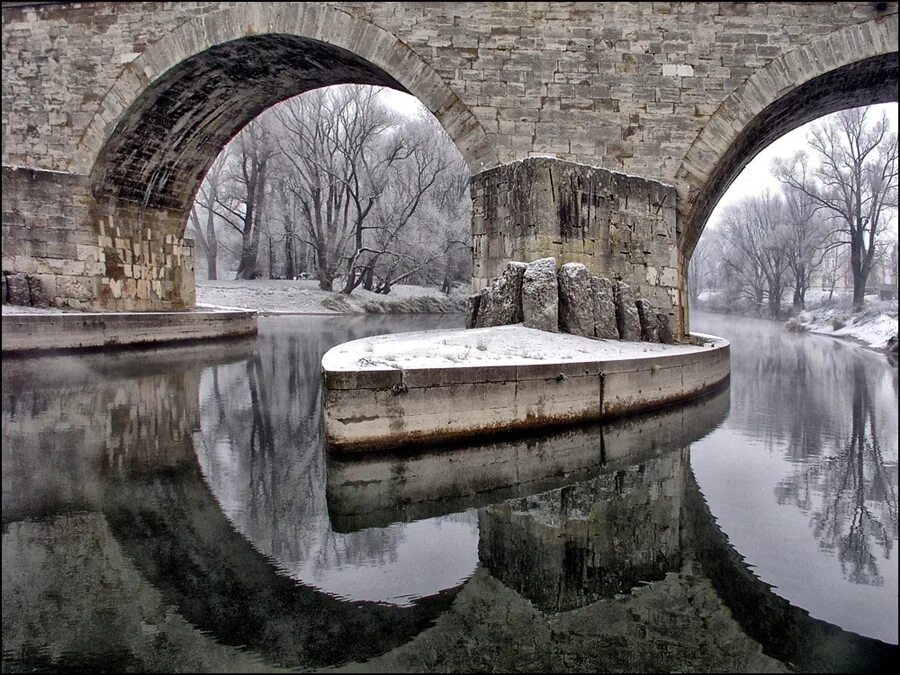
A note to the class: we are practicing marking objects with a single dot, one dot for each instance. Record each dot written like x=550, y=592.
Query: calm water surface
x=176, y=510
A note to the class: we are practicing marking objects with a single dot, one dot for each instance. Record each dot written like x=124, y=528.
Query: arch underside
x=163, y=146
x=866, y=82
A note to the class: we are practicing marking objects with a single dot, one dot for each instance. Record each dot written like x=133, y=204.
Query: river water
x=176, y=510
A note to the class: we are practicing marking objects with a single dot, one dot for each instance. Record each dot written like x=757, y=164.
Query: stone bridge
x=602, y=133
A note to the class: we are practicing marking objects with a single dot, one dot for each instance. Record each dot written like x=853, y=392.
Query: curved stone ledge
x=50, y=331
x=377, y=408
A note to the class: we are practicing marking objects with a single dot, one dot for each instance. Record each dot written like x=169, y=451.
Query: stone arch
x=390, y=63
x=176, y=105
x=850, y=67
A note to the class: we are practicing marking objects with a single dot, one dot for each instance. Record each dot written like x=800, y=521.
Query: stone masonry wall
x=626, y=86
x=54, y=231
x=659, y=90
x=619, y=226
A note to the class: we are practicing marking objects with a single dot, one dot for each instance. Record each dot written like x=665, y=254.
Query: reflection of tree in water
x=857, y=509
x=261, y=442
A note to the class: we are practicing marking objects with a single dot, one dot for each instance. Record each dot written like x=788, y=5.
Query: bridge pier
x=619, y=226
x=90, y=254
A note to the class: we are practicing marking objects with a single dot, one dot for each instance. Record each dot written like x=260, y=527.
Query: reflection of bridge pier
x=374, y=490
x=570, y=547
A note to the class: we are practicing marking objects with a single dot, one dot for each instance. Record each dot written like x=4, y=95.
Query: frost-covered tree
x=854, y=183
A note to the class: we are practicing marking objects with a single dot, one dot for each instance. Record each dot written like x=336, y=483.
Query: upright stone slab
x=665, y=329
x=37, y=295
x=501, y=302
x=604, y=309
x=540, y=300
x=17, y=288
x=472, y=310
x=576, y=311
x=627, y=320
x=647, y=317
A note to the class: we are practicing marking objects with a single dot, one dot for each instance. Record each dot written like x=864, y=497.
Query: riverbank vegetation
x=339, y=187
x=820, y=249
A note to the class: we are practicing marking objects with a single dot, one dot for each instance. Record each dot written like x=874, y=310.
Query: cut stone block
x=540, y=300
x=665, y=329
x=576, y=311
x=17, y=288
x=604, y=309
x=501, y=304
x=472, y=310
x=647, y=317
x=627, y=320
x=37, y=296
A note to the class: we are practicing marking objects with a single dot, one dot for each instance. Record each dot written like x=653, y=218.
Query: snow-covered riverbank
x=872, y=327
x=274, y=296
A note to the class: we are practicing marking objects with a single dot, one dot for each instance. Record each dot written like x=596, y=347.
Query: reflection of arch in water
x=374, y=490
x=174, y=531
x=83, y=398
x=786, y=632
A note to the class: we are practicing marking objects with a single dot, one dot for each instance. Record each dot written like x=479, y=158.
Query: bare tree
x=243, y=206
x=324, y=136
x=335, y=183
x=207, y=198
x=855, y=183
x=808, y=239
x=757, y=230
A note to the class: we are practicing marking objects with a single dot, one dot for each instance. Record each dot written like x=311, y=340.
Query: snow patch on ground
x=277, y=296
x=872, y=329
x=495, y=346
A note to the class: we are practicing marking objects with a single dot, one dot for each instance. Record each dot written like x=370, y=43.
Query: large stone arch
x=177, y=104
x=853, y=66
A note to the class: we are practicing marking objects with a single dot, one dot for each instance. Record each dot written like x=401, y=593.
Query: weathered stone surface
x=36, y=292
x=604, y=309
x=127, y=119
x=540, y=301
x=501, y=302
x=3, y=288
x=576, y=311
x=647, y=317
x=665, y=328
x=472, y=310
x=17, y=288
x=627, y=320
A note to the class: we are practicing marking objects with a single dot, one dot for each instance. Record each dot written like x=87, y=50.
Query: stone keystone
x=540, y=301
x=604, y=308
x=647, y=317
x=501, y=304
x=627, y=320
x=576, y=312
x=665, y=329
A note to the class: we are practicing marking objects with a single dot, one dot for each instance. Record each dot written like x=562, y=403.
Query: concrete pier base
x=369, y=408
x=51, y=331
